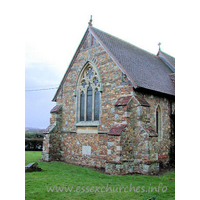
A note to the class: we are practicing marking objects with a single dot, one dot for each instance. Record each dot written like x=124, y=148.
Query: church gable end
x=100, y=119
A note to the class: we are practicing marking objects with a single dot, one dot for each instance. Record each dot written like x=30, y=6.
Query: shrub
x=33, y=144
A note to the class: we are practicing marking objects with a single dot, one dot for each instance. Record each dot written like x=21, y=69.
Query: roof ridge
x=167, y=59
x=167, y=54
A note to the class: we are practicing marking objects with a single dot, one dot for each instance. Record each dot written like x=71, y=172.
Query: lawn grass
x=62, y=174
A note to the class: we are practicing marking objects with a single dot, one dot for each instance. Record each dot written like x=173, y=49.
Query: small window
x=158, y=121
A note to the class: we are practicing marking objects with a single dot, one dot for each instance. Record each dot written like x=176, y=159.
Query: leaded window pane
x=89, y=103
x=96, y=105
x=90, y=73
x=95, y=81
x=88, y=86
x=84, y=84
x=82, y=106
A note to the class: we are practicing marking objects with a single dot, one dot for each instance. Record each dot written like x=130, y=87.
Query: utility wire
x=71, y=86
x=41, y=86
x=41, y=89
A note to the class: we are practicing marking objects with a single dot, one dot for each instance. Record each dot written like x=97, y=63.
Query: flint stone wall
x=131, y=151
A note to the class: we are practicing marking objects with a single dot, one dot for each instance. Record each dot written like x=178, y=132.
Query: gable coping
x=89, y=30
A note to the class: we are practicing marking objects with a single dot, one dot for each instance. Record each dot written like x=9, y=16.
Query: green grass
x=62, y=174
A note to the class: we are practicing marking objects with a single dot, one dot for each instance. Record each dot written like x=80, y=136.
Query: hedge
x=33, y=144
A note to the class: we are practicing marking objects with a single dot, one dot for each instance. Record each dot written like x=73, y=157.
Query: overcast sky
x=54, y=29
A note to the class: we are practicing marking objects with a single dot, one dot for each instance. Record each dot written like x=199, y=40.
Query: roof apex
x=90, y=22
x=132, y=61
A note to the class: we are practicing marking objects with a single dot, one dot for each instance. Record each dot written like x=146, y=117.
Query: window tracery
x=89, y=95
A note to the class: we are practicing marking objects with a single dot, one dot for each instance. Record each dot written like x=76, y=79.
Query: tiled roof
x=145, y=69
x=56, y=109
x=142, y=101
x=123, y=101
x=150, y=131
x=117, y=129
x=49, y=129
x=169, y=58
x=172, y=76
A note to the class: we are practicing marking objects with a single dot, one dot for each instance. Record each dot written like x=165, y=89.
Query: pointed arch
x=158, y=122
x=89, y=62
x=88, y=87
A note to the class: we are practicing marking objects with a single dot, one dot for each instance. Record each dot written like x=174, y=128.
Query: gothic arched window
x=158, y=121
x=88, y=90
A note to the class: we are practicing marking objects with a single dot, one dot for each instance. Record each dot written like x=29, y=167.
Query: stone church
x=115, y=108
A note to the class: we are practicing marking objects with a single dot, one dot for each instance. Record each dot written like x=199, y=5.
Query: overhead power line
x=70, y=86
x=41, y=86
x=41, y=89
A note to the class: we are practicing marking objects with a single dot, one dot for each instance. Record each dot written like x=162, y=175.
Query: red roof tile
x=56, y=109
x=117, y=129
x=123, y=101
x=142, y=101
x=150, y=131
x=49, y=129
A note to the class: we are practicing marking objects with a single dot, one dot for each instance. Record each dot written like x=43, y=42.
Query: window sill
x=88, y=123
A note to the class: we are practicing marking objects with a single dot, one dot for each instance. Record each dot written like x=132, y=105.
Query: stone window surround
x=160, y=131
x=80, y=88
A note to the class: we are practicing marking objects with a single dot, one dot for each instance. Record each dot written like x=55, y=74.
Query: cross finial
x=159, y=45
x=90, y=22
